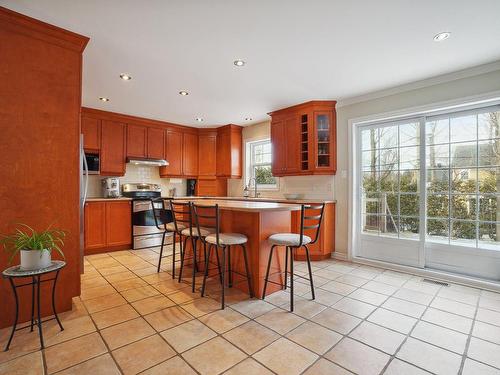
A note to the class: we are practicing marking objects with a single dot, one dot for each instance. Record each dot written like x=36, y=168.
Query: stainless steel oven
x=144, y=231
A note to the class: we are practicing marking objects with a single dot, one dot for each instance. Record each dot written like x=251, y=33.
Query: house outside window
x=258, y=165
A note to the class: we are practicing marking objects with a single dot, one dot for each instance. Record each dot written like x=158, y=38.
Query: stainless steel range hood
x=148, y=161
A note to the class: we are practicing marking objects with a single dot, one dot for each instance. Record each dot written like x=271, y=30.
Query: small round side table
x=16, y=272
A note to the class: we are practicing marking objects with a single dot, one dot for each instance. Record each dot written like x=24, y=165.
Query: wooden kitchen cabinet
x=229, y=150
x=156, y=143
x=190, y=155
x=91, y=130
x=118, y=223
x=145, y=142
x=207, y=154
x=173, y=154
x=95, y=225
x=136, y=141
x=303, y=138
x=108, y=226
x=112, y=148
x=278, y=144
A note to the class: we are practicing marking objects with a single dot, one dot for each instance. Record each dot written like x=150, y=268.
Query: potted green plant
x=35, y=247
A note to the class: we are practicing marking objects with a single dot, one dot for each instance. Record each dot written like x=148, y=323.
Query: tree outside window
x=259, y=157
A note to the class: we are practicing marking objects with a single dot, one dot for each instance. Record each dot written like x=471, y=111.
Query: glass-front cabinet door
x=323, y=138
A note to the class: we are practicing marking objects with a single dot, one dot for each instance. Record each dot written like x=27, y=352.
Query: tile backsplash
x=311, y=187
x=140, y=173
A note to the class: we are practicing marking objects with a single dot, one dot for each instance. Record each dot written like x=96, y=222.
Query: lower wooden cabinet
x=108, y=226
x=95, y=225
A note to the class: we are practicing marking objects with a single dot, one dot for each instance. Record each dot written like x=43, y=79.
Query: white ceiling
x=296, y=50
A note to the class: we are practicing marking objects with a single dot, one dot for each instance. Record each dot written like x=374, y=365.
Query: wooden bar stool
x=294, y=241
x=226, y=242
x=184, y=217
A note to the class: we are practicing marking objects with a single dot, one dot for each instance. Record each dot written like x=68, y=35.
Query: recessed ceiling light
x=125, y=77
x=442, y=36
x=199, y=119
x=248, y=119
x=103, y=99
x=239, y=62
x=183, y=93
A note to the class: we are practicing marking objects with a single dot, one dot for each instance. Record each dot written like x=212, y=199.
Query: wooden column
x=40, y=98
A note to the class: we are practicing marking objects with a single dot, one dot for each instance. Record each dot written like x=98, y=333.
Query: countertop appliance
x=110, y=187
x=145, y=234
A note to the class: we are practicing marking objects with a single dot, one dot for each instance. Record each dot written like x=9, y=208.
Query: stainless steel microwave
x=92, y=163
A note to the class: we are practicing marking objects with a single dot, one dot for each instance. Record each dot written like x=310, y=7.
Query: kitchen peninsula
x=257, y=221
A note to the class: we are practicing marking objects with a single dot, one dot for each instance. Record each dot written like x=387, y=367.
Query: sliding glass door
x=429, y=192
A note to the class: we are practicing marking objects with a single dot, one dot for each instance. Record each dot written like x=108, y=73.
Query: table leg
x=39, y=320
x=32, y=303
x=17, y=313
x=54, y=301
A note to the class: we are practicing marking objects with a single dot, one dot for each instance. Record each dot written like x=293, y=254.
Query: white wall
x=450, y=87
x=138, y=173
x=313, y=187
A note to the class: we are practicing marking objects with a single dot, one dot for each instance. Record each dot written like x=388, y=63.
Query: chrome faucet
x=256, y=193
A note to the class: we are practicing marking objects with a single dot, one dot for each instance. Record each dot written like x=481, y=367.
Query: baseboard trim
x=339, y=256
x=435, y=274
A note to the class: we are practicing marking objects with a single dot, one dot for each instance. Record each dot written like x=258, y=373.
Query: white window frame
x=249, y=164
x=488, y=256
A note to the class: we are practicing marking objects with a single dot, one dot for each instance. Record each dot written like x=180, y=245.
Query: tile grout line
x=469, y=337
x=201, y=343
x=408, y=335
x=273, y=304
x=154, y=330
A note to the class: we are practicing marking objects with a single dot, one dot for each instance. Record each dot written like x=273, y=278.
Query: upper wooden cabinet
x=112, y=148
x=207, y=153
x=145, y=142
x=136, y=141
x=91, y=130
x=190, y=155
x=229, y=145
x=156, y=143
x=173, y=153
x=181, y=152
x=303, y=138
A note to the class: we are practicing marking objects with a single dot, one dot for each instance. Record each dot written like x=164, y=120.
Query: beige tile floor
x=130, y=319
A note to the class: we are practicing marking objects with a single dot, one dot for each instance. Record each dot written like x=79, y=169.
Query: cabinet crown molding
x=313, y=104
x=34, y=28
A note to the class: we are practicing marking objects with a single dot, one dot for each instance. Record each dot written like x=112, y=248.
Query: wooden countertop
x=249, y=206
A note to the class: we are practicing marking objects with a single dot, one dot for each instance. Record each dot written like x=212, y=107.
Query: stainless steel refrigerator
x=84, y=185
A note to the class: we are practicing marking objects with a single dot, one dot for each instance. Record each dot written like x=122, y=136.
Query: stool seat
x=171, y=227
x=227, y=239
x=288, y=239
x=202, y=233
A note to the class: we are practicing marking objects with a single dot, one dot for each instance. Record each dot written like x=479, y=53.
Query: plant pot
x=35, y=259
